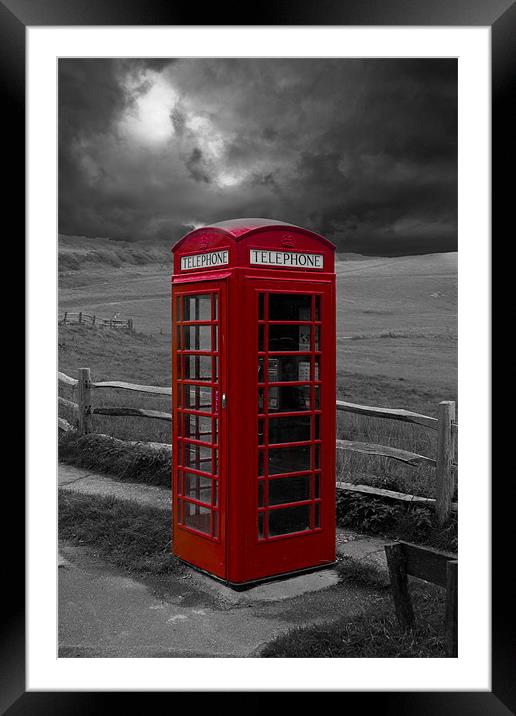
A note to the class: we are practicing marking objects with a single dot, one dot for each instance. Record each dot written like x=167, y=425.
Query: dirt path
x=86, y=482
x=105, y=613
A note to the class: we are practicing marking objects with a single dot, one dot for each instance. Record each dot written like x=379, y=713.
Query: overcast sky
x=362, y=151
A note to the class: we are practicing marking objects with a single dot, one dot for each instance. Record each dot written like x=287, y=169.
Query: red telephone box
x=253, y=392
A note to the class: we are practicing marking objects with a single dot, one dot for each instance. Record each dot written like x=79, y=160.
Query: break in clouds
x=362, y=151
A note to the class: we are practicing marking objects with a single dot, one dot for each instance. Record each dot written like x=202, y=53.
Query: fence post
x=445, y=483
x=451, y=608
x=396, y=562
x=84, y=400
x=65, y=315
x=130, y=324
x=80, y=316
x=93, y=321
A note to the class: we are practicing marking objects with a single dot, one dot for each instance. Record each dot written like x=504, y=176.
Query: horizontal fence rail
x=154, y=389
x=445, y=425
x=133, y=412
x=405, y=416
x=409, y=458
x=81, y=317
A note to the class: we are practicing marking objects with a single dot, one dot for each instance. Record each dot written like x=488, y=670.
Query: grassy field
x=396, y=345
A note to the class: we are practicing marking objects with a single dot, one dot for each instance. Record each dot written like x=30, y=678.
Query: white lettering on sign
x=288, y=259
x=198, y=261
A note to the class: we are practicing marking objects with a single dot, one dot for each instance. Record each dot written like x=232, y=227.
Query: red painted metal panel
x=258, y=501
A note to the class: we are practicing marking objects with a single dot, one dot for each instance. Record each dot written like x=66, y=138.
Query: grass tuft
x=395, y=520
x=362, y=574
x=125, y=461
x=130, y=536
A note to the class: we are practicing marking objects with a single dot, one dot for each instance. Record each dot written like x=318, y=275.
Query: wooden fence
x=88, y=318
x=444, y=425
x=441, y=568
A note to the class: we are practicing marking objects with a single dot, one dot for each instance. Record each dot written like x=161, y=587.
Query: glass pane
x=260, y=524
x=273, y=399
x=291, y=459
x=261, y=373
x=289, y=430
x=198, y=487
x=317, y=485
x=198, y=427
x=197, y=397
x=261, y=394
x=291, y=519
x=289, y=398
x=197, y=517
x=261, y=337
x=197, y=308
x=317, y=371
x=261, y=306
x=179, y=482
x=317, y=308
x=260, y=493
x=289, y=489
x=215, y=524
x=197, y=367
x=289, y=338
x=198, y=457
x=289, y=307
x=261, y=429
x=285, y=369
x=261, y=465
x=179, y=511
x=197, y=338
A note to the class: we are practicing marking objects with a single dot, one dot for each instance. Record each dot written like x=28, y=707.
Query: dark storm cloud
x=363, y=151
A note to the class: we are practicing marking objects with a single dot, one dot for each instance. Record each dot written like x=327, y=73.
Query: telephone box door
x=291, y=523
x=198, y=424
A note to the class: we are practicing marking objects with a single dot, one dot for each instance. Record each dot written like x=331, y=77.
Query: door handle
x=223, y=402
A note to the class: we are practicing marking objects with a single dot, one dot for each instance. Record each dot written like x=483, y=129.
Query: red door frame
x=206, y=551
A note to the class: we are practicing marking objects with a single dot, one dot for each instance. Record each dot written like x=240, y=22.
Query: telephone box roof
x=240, y=228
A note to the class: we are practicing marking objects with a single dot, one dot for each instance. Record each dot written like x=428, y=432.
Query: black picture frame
x=500, y=16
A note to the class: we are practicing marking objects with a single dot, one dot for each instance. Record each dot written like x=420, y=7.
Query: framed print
x=46, y=48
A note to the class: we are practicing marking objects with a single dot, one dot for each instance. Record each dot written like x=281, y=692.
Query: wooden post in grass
x=64, y=317
x=84, y=400
x=93, y=319
x=396, y=561
x=80, y=316
x=451, y=608
x=444, y=478
x=130, y=324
